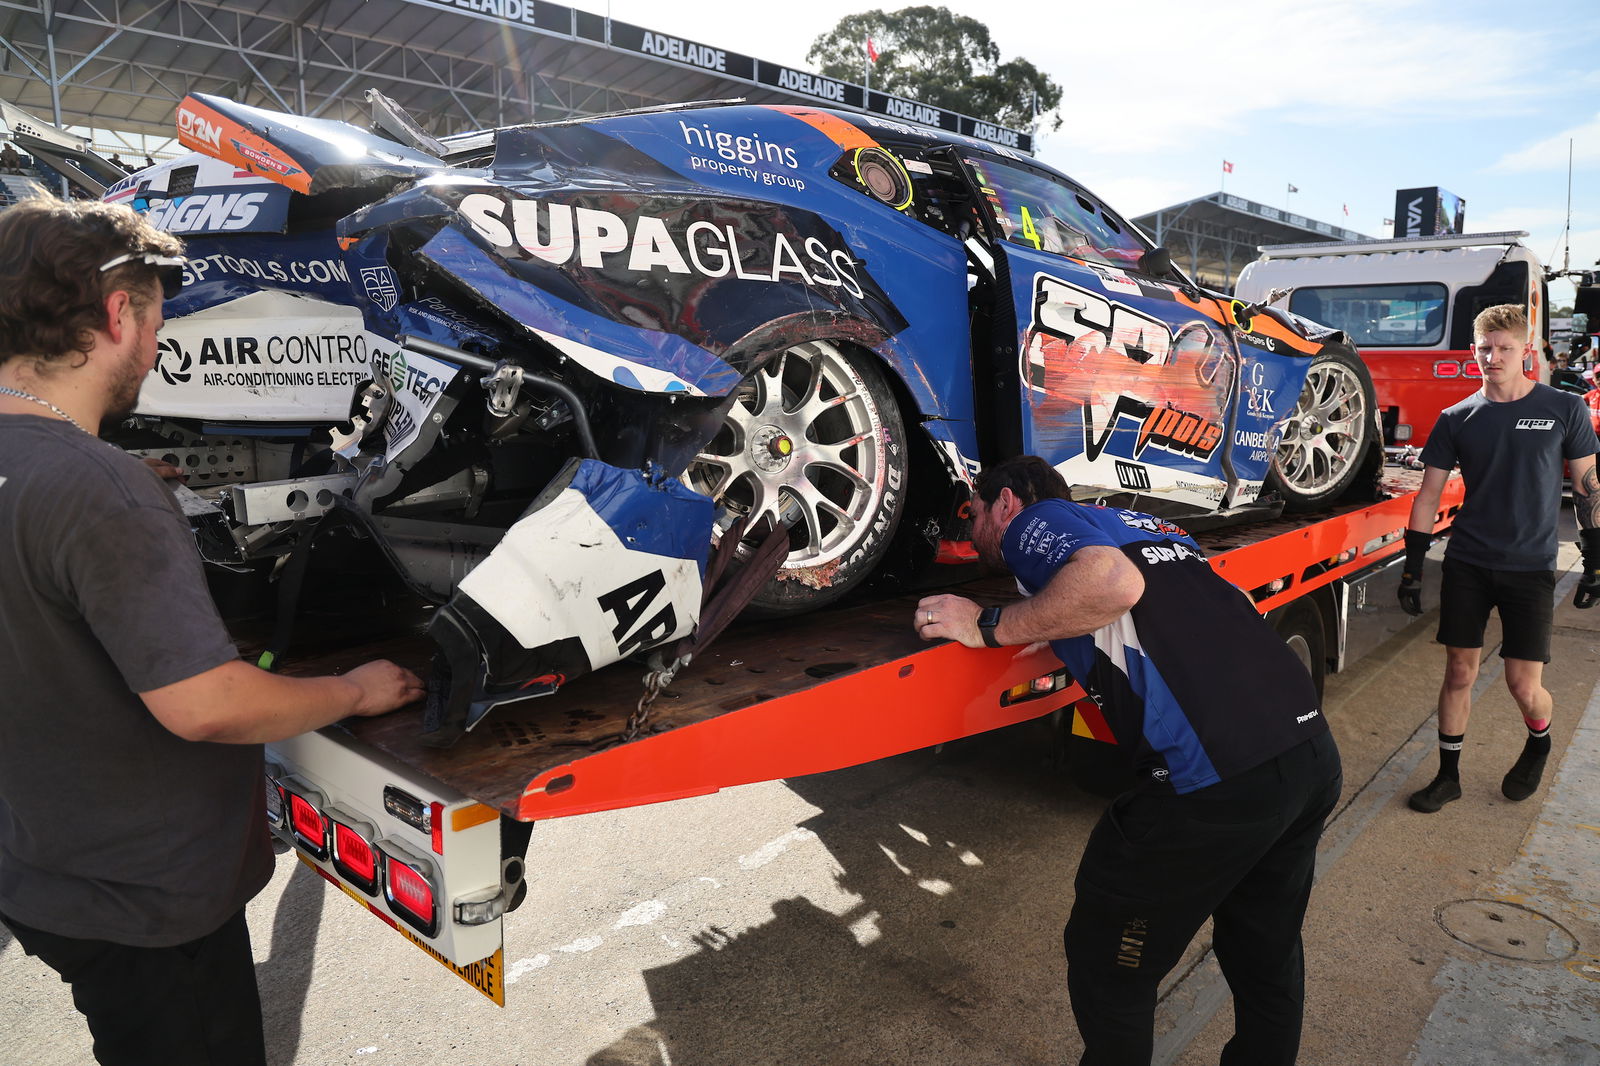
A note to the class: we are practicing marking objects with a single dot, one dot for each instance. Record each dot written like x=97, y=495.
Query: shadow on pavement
x=951, y=951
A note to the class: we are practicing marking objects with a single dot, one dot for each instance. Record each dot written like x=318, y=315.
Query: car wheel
x=1300, y=625
x=1326, y=438
x=814, y=442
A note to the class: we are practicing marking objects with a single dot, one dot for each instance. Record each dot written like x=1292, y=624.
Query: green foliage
x=934, y=56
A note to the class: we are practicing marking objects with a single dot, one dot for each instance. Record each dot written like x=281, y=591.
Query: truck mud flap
x=605, y=563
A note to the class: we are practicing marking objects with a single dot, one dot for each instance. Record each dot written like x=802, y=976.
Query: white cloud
x=1551, y=153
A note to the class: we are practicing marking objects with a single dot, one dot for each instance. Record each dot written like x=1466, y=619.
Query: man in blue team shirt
x=1237, y=768
x=1509, y=439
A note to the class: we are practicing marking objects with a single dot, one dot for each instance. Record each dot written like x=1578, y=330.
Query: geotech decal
x=417, y=381
x=558, y=233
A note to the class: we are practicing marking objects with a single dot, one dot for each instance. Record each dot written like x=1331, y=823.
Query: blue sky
x=1349, y=100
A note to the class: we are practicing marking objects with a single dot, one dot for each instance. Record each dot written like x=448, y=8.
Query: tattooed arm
x=1586, y=492
x=1586, y=502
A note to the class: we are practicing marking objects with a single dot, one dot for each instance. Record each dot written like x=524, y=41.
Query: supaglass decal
x=558, y=233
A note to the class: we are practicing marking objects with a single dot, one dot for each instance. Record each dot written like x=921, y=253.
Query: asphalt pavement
x=909, y=911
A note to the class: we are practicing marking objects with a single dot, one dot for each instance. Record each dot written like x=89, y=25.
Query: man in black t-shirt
x=132, y=831
x=1509, y=438
x=1236, y=778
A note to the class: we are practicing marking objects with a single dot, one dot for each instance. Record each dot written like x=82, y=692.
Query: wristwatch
x=988, y=618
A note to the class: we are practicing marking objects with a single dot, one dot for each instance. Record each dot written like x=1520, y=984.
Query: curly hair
x=52, y=290
x=1510, y=318
x=1029, y=478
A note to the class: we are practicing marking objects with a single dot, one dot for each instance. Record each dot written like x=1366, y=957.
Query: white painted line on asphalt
x=774, y=848
x=641, y=914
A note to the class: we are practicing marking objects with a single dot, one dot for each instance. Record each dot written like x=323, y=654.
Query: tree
x=934, y=56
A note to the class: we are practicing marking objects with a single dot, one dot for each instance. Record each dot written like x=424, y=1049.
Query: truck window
x=1383, y=316
x=1037, y=211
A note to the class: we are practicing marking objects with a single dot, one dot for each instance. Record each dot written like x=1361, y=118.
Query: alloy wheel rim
x=802, y=445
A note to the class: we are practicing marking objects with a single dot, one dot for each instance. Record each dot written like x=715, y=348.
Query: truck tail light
x=1446, y=368
x=307, y=824
x=355, y=856
x=410, y=888
x=1038, y=688
x=1471, y=370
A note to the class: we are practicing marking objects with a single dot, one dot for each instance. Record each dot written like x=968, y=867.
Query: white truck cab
x=1408, y=303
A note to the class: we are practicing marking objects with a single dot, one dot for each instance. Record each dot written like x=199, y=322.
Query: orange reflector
x=467, y=817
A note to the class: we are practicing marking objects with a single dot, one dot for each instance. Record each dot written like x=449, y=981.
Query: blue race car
x=544, y=368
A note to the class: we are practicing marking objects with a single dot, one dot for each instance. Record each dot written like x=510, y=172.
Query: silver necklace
x=19, y=394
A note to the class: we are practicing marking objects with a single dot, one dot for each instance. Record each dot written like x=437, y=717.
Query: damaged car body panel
x=544, y=368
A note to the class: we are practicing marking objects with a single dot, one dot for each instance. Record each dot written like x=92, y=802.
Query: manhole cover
x=1508, y=930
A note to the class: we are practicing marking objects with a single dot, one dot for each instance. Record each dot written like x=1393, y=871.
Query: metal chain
x=19, y=394
x=654, y=682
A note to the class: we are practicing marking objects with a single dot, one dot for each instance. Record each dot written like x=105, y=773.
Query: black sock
x=1450, y=755
x=1538, y=740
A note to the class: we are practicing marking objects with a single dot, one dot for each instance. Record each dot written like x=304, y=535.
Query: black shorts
x=1524, y=598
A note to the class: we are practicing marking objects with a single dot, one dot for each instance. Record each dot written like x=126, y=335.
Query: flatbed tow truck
x=434, y=841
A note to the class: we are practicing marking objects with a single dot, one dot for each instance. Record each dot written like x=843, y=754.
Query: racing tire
x=814, y=440
x=1300, y=625
x=1328, y=436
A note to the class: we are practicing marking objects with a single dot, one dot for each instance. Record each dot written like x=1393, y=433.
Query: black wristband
x=1589, y=545
x=988, y=618
x=1417, y=544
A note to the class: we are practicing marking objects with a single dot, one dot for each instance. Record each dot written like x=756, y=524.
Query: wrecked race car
x=543, y=369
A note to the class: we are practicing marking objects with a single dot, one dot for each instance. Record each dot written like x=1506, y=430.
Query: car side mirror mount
x=1157, y=263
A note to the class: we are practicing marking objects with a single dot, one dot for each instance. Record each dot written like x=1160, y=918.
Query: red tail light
x=354, y=856
x=408, y=887
x=1447, y=369
x=1471, y=370
x=306, y=821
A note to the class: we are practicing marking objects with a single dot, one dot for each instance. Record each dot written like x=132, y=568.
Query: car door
x=1128, y=384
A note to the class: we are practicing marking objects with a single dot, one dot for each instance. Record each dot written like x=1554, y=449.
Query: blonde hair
x=1510, y=318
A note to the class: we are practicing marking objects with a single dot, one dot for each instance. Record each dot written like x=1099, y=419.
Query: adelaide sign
x=557, y=19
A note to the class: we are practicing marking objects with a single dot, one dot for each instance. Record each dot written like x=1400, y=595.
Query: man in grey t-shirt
x=1509, y=438
x=131, y=822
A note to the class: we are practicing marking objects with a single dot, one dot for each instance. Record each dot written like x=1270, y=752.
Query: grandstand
x=453, y=64
x=1212, y=237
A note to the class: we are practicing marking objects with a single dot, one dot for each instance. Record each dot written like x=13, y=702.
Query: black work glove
x=1410, y=591
x=1588, y=590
